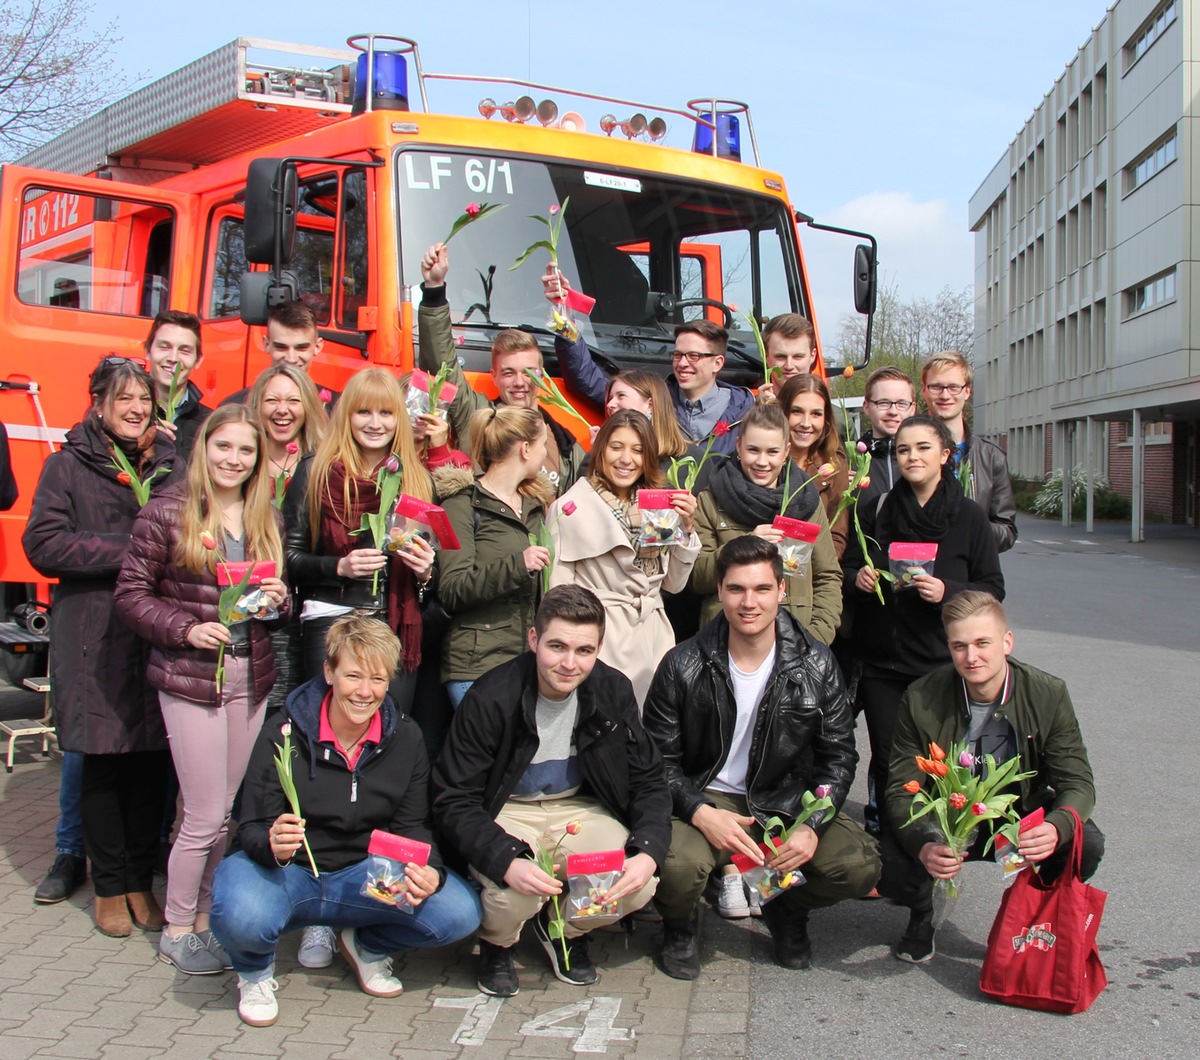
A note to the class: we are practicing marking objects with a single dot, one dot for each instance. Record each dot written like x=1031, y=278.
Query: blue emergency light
x=729, y=136
x=390, y=90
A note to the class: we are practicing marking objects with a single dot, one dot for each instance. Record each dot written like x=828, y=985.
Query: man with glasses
x=946, y=379
x=701, y=400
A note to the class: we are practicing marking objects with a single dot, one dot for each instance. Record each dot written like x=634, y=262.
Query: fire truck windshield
x=637, y=243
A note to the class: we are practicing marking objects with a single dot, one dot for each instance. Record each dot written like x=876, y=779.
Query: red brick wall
x=1164, y=470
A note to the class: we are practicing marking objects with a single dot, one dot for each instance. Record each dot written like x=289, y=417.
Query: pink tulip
x=574, y=827
x=861, y=447
x=392, y=464
x=823, y=791
x=966, y=760
x=293, y=448
x=325, y=394
x=285, y=729
x=208, y=541
x=568, y=508
x=554, y=209
x=979, y=808
x=472, y=209
x=826, y=470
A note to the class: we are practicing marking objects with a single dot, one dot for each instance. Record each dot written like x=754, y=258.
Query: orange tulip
x=939, y=769
x=925, y=765
x=936, y=753
x=848, y=371
x=912, y=787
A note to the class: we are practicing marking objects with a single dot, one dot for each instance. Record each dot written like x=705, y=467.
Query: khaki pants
x=845, y=865
x=543, y=824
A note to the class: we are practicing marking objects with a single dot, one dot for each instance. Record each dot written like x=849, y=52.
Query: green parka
x=1038, y=708
x=484, y=584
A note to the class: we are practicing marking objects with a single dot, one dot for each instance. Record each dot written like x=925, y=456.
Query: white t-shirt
x=747, y=693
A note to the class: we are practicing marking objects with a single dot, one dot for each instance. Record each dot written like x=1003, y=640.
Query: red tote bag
x=1042, y=951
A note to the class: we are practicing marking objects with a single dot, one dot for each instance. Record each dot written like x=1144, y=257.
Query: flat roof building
x=1087, y=240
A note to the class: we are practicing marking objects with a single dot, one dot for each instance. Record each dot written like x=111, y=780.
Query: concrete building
x=1087, y=247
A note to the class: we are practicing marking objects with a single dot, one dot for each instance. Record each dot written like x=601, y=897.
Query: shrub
x=1107, y=503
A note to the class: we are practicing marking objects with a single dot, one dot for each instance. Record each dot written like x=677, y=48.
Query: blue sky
x=884, y=116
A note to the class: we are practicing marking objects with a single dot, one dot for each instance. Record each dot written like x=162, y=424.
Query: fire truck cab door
x=85, y=264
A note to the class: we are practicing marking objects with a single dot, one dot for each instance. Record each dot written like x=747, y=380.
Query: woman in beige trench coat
x=595, y=527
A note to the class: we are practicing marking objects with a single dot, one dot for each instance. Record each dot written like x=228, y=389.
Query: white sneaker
x=374, y=977
x=316, y=947
x=731, y=900
x=256, y=1002
x=755, y=902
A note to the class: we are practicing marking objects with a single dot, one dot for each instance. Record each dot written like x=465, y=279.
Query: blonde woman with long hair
x=330, y=562
x=168, y=592
x=291, y=417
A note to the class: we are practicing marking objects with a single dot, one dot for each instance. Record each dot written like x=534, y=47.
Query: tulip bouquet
x=387, y=483
x=475, y=211
x=283, y=766
x=547, y=862
x=684, y=470
x=543, y=538
x=963, y=800
x=227, y=602
x=128, y=476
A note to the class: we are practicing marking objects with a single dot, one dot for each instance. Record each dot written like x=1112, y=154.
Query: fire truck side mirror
x=864, y=279
x=270, y=222
x=259, y=292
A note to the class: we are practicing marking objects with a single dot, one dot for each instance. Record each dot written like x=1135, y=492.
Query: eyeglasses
x=691, y=358
x=954, y=389
x=887, y=406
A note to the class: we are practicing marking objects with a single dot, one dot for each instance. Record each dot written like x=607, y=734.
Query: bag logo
x=1038, y=937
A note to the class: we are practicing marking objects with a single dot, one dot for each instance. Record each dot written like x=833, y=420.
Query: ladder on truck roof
x=218, y=106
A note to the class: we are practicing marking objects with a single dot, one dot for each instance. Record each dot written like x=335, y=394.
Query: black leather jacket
x=803, y=734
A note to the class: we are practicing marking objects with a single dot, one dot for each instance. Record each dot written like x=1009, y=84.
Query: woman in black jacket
x=78, y=532
x=903, y=639
x=358, y=765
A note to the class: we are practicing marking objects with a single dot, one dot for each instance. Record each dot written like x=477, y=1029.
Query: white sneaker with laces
x=374, y=977
x=257, y=1006
x=731, y=900
x=316, y=947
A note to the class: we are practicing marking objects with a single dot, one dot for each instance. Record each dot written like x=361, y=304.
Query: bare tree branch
x=54, y=71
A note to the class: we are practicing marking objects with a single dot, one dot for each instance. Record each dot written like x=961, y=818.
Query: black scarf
x=750, y=504
x=930, y=523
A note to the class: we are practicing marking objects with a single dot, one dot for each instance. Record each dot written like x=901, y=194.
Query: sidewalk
x=68, y=991
x=1165, y=543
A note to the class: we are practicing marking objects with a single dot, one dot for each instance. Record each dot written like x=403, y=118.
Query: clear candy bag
x=660, y=522
x=418, y=400
x=909, y=558
x=416, y=518
x=796, y=548
x=589, y=878
x=768, y=883
x=253, y=603
x=388, y=855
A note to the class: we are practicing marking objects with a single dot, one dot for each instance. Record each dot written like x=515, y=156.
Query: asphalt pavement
x=1119, y=622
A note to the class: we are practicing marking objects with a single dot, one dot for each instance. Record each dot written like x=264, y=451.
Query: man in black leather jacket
x=750, y=714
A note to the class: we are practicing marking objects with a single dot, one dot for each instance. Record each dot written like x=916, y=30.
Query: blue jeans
x=456, y=690
x=253, y=906
x=68, y=837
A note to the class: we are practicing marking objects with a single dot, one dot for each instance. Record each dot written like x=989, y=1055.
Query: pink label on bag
x=912, y=551
x=233, y=573
x=398, y=848
x=657, y=498
x=598, y=861
x=432, y=516
x=797, y=529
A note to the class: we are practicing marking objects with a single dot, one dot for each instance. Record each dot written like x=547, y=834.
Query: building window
x=1151, y=294
x=1152, y=162
x=1151, y=30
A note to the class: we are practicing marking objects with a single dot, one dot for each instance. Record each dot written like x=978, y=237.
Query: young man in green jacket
x=1000, y=707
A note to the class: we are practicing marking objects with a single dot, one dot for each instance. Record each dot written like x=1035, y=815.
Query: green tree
x=55, y=70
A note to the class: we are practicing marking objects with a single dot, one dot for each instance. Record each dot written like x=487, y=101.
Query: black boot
x=789, y=934
x=65, y=875
x=680, y=953
x=916, y=944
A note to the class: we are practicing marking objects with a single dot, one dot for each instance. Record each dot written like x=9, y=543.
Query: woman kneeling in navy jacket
x=358, y=765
